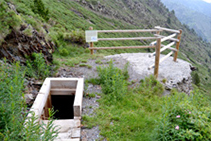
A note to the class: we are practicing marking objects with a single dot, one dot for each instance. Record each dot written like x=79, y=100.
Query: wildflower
x=189, y=112
x=178, y=116
x=177, y=127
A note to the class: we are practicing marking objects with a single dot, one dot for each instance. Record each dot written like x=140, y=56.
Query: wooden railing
x=155, y=44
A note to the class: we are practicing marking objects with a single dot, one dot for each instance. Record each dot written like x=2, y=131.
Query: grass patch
x=91, y=95
x=142, y=113
x=82, y=65
x=98, y=61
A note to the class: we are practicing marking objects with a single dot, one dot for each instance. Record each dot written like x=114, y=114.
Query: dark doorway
x=63, y=105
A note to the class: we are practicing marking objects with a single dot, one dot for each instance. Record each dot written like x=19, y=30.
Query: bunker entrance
x=61, y=99
x=63, y=106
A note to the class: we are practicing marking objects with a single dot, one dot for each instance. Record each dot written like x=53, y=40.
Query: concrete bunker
x=65, y=96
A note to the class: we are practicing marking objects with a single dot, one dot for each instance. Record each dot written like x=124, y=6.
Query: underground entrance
x=65, y=96
x=63, y=106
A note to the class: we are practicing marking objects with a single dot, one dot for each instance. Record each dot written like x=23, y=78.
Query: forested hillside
x=196, y=14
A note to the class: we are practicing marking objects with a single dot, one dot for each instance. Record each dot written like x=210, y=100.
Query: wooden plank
x=77, y=106
x=177, y=45
x=62, y=91
x=157, y=57
x=172, y=39
x=161, y=60
x=164, y=39
x=122, y=47
x=172, y=49
x=41, y=98
x=167, y=29
x=163, y=48
x=64, y=125
x=165, y=57
x=123, y=31
x=63, y=83
x=134, y=38
x=91, y=44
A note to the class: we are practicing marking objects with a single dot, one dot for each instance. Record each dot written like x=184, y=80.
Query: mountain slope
x=71, y=17
x=195, y=14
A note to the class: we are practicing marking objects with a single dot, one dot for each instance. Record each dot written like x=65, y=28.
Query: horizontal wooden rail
x=62, y=91
x=135, y=38
x=172, y=49
x=172, y=39
x=167, y=29
x=168, y=55
x=164, y=39
x=163, y=48
x=124, y=31
x=161, y=60
x=120, y=47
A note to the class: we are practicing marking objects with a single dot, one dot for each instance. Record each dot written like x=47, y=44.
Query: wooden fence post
x=91, y=43
x=157, y=57
x=177, y=45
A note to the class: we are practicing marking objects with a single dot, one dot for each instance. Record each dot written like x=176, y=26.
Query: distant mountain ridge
x=194, y=13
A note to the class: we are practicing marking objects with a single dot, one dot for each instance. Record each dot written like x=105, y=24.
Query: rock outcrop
x=171, y=74
x=17, y=46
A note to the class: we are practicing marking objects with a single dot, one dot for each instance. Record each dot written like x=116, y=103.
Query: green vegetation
x=112, y=81
x=40, y=9
x=196, y=79
x=36, y=67
x=8, y=20
x=142, y=113
x=126, y=113
x=13, y=109
x=69, y=19
x=185, y=118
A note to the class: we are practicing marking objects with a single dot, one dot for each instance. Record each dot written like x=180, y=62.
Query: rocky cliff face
x=18, y=45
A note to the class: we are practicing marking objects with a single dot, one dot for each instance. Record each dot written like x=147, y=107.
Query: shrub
x=184, y=118
x=196, y=79
x=150, y=87
x=75, y=36
x=40, y=9
x=112, y=81
x=13, y=109
x=8, y=19
x=36, y=66
x=63, y=52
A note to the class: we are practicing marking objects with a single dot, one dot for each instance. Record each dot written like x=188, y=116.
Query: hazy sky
x=209, y=1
